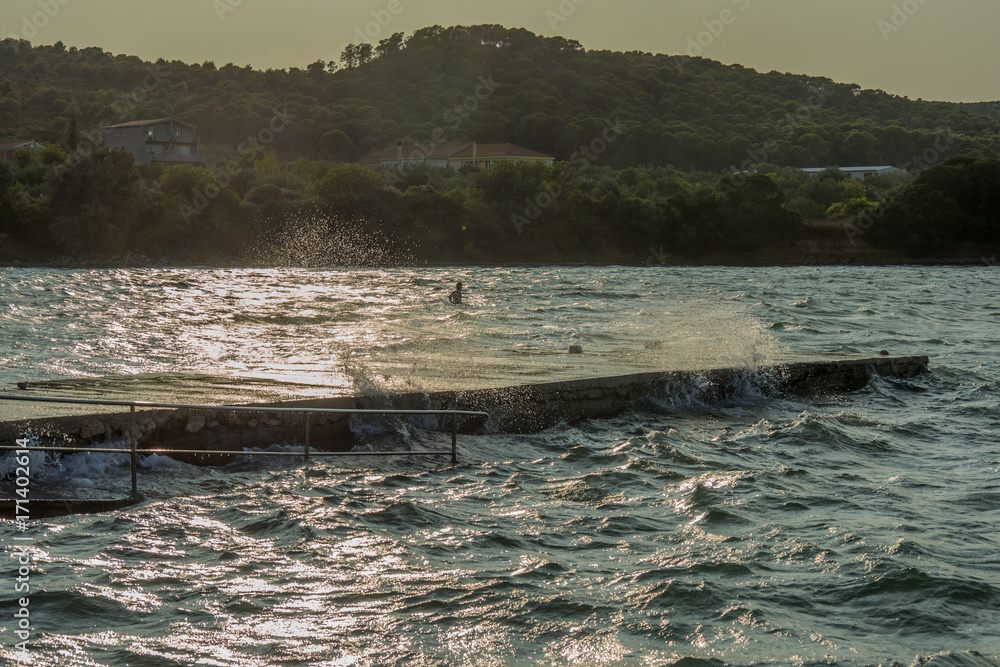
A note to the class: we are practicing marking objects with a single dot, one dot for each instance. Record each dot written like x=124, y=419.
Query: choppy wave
x=304, y=326
x=841, y=530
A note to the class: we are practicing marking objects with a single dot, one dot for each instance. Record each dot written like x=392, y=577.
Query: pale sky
x=931, y=49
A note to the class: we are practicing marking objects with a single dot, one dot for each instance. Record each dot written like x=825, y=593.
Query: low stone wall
x=521, y=409
x=188, y=429
x=531, y=408
x=832, y=377
x=44, y=508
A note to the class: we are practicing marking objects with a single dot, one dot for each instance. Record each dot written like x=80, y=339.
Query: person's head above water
x=456, y=296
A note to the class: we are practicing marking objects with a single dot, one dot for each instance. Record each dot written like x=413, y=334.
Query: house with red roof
x=9, y=148
x=161, y=140
x=454, y=156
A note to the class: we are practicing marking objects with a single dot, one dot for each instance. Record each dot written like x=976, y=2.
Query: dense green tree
x=391, y=45
x=351, y=191
x=493, y=84
x=956, y=201
x=355, y=55
x=858, y=149
x=755, y=214
x=72, y=135
x=96, y=204
x=640, y=142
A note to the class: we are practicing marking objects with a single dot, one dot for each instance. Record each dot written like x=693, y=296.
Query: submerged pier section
x=518, y=409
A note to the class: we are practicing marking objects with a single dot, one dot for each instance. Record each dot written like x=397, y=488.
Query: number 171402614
x=22, y=481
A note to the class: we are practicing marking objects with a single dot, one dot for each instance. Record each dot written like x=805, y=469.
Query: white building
x=856, y=172
x=454, y=156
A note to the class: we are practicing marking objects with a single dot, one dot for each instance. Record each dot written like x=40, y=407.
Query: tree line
x=700, y=157
x=315, y=212
x=551, y=95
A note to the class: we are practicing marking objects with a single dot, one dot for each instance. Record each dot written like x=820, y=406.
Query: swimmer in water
x=456, y=296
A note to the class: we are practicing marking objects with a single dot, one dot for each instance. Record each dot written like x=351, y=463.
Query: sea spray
x=310, y=238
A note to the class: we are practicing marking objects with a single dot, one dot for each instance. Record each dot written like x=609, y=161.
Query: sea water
x=851, y=529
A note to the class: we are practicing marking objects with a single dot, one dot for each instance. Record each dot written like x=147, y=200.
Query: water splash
x=311, y=239
x=702, y=334
x=71, y=474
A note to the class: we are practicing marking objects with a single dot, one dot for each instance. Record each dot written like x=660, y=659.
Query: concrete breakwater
x=518, y=409
x=535, y=407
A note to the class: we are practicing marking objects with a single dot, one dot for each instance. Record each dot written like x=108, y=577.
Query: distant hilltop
x=546, y=94
x=481, y=144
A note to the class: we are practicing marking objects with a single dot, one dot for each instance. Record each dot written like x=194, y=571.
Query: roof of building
x=498, y=150
x=414, y=150
x=453, y=151
x=8, y=145
x=874, y=168
x=143, y=123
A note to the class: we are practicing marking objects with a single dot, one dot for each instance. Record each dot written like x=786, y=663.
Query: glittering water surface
x=358, y=329
x=857, y=529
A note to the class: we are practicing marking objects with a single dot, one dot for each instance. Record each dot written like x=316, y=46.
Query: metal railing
x=306, y=453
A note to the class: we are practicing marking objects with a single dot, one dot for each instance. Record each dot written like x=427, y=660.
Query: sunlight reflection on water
x=335, y=332
x=851, y=530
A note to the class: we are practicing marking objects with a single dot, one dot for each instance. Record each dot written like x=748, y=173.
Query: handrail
x=239, y=408
x=214, y=452
x=133, y=451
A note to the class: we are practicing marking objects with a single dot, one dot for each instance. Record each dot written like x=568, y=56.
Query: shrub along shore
x=317, y=213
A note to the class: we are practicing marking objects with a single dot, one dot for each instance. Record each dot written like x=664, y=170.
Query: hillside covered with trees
x=547, y=94
x=703, y=158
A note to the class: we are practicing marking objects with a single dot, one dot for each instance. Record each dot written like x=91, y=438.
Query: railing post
x=131, y=438
x=454, y=440
x=133, y=433
x=308, y=415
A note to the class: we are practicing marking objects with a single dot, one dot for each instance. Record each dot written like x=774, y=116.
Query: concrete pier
x=519, y=409
x=52, y=507
x=531, y=408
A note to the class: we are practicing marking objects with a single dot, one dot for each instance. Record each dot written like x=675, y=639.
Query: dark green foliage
x=491, y=84
x=95, y=206
x=351, y=191
x=72, y=135
x=755, y=215
x=956, y=201
x=640, y=142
